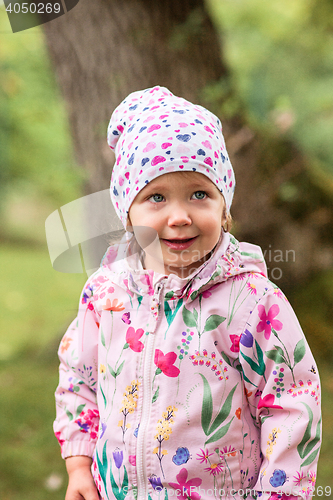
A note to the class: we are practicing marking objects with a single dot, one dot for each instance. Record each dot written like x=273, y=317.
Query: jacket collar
x=229, y=258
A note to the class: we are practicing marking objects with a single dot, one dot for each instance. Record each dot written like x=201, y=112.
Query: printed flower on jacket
x=88, y=422
x=129, y=404
x=166, y=363
x=234, y=343
x=65, y=344
x=100, y=279
x=278, y=496
x=298, y=389
x=299, y=478
x=132, y=339
x=228, y=452
x=277, y=292
x=88, y=292
x=252, y=288
x=127, y=289
x=268, y=402
x=204, y=457
x=156, y=483
x=215, y=468
x=126, y=318
x=312, y=478
x=118, y=457
x=103, y=428
x=211, y=363
x=164, y=430
x=147, y=279
x=186, y=489
x=207, y=293
x=272, y=439
x=267, y=320
x=113, y=306
x=58, y=436
x=247, y=393
x=238, y=413
x=246, y=339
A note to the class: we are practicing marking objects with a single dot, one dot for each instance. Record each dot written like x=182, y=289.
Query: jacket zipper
x=142, y=493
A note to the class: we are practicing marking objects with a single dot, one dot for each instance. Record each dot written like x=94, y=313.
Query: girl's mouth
x=180, y=244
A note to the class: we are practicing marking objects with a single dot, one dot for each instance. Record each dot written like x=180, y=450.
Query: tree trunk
x=104, y=49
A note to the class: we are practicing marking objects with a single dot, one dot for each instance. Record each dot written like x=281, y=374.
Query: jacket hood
x=230, y=258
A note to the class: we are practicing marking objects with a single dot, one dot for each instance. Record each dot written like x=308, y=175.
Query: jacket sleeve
x=77, y=421
x=283, y=389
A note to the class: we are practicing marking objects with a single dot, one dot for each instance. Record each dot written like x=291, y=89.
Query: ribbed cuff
x=78, y=447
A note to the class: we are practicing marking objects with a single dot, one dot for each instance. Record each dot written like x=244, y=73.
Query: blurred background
x=265, y=68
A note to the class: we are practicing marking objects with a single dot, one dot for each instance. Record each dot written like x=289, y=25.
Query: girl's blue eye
x=156, y=198
x=200, y=195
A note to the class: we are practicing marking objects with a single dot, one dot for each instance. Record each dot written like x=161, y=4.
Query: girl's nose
x=179, y=216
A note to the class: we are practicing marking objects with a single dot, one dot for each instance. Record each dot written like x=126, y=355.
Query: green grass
x=38, y=303
x=30, y=453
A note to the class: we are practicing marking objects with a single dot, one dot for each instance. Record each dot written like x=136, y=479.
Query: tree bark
x=104, y=49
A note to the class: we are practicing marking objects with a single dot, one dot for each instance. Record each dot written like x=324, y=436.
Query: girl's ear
x=129, y=225
x=224, y=216
x=226, y=220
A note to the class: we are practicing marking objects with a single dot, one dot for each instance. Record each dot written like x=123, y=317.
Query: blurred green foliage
x=280, y=58
x=35, y=147
x=33, y=320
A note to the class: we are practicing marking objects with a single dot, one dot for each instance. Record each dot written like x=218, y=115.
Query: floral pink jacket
x=192, y=388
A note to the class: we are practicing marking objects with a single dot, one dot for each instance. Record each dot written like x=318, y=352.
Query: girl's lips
x=179, y=244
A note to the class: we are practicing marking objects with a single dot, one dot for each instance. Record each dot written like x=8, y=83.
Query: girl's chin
x=182, y=270
x=167, y=268
x=174, y=264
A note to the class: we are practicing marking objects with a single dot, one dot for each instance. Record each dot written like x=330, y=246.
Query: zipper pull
x=156, y=299
x=159, y=287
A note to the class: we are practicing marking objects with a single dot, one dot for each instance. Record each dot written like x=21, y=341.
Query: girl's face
x=187, y=211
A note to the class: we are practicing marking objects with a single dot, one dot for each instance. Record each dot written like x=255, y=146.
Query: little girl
x=186, y=373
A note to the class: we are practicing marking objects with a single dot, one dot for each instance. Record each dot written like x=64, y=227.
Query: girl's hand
x=81, y=484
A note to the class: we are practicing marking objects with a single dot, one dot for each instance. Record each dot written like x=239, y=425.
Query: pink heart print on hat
x=154, y=132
